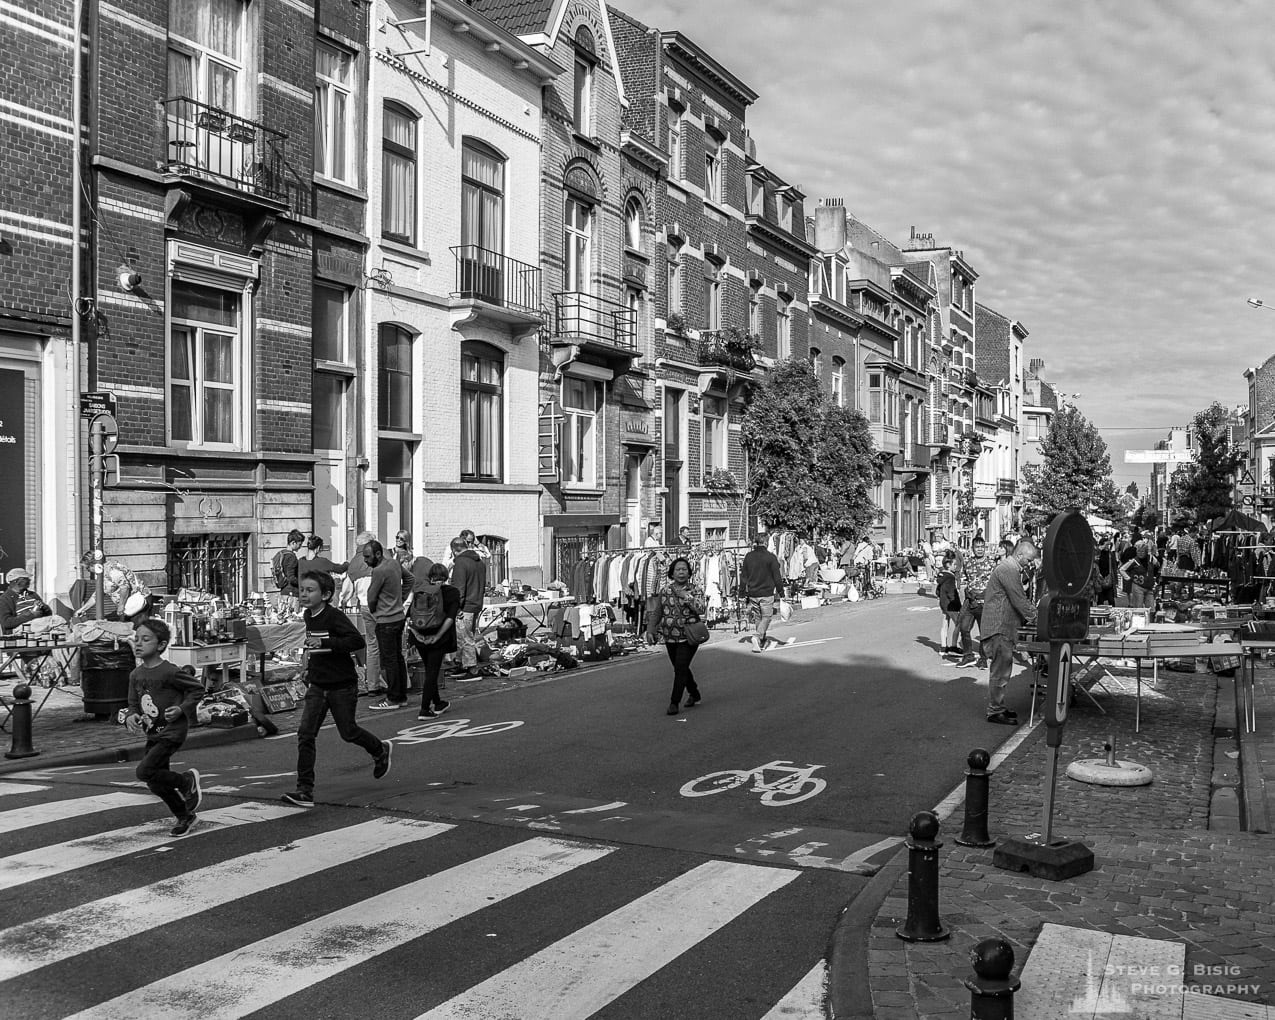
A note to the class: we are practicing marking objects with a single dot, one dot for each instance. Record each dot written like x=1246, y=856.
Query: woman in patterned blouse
x=672, y=608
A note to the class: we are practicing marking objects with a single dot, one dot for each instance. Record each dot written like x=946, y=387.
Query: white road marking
x=580, y=974
x=953, y=800
x=261, y=974
x=601, y=807
x=805, y=1001
x=8, y=788
x=60, y=810
x=47, y=861
x=91, y=926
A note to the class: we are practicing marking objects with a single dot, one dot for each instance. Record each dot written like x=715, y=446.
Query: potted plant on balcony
x=738, y=348
x=971, y=442
x=675, y=324
x=721, y=483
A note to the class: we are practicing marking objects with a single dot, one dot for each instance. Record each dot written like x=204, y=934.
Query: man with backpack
x=285, y=568
x=431, y=625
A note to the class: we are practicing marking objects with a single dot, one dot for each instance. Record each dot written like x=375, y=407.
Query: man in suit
x=1005, y=609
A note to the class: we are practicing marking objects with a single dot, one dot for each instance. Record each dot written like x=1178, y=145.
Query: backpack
x=276, y=570
x=427, y=607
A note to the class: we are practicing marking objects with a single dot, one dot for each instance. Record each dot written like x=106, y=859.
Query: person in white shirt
x=652, y=540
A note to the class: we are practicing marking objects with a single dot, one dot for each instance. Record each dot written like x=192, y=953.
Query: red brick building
x=210, y=184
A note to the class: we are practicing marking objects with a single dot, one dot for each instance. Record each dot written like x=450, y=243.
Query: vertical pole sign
x=13, y=469
x=103, y=435
x=1062, y=618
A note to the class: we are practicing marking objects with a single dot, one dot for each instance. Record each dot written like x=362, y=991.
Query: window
x=330, y=339
x=783, y=311
x=217, y=564
x=481, y=413
x=204, y=365
x=785, y=212
x=713, y=297
x=394, y=384
x=816, y=362
x=398, y=173
x=482, y=196
x=1033, y=426
x=633, y=224
x=205, y=52
x=875, y=397
x=674, y=296
x=586, y=59
x=713, y=171
x=675, y=143
x=714, y=409
x=754, y=310
x=333, y=109
x=581, y=428
x=394, y=472
x=839, y=382
x=891, y=400
x=756, y=196
x=577, y=246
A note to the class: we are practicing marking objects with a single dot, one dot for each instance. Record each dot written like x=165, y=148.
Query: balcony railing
x=717, y=349
x=580, y=316
x=205, y=141
x=484, y=275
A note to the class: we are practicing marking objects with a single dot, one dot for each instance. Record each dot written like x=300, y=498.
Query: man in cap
x=18, y=603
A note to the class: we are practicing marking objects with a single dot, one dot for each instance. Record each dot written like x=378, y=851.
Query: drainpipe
x=73, y=373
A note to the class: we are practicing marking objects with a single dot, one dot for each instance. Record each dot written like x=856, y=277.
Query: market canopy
x=1237, y=521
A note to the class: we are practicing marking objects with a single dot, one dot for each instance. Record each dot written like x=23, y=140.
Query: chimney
x=830, y=225
x=1035, y=367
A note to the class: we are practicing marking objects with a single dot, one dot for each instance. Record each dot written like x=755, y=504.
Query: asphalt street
x=619, y=819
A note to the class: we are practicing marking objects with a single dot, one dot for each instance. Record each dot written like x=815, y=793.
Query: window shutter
x=550, y=441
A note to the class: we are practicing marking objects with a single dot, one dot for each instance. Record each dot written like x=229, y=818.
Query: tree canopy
x=1075, y=472
x=1201, y=491
x=812, y=464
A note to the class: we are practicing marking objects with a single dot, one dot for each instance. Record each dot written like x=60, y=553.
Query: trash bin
x=104, y=670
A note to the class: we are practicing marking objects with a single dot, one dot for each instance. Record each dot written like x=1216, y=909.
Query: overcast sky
x=1107, y=167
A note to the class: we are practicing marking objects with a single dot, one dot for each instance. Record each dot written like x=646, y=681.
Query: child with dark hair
x=950, y=603
x=161, y=702
x=332, y=685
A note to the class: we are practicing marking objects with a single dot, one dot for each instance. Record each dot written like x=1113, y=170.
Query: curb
x=849, y=988
x=207, y=737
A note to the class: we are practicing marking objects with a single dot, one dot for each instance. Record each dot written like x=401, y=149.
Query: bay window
x=204, y=367
x=581, y=431
x=482, y=369
x=876, y=397
x=398, y=174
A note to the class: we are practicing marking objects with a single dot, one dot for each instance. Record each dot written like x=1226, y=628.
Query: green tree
x=1075, y=467
x=1109, y=502
x=812, y=464
x=1201, y=491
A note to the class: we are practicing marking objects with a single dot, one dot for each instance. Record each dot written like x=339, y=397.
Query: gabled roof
x=521, y=17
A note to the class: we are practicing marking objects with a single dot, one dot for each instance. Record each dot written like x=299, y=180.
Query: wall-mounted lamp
x=129, y=278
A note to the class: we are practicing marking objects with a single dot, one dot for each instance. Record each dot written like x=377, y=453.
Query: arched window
x=839, y=382
x=482, y=371
x=633, y=224
x=585, y=62
x=398, y=174
x=577, y=245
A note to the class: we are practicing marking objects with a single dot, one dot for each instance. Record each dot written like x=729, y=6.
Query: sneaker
x=184, y=824
x=673, y=709
x=693, y=700
x=382, y=763
x=386, y=706
x=467, y=677
x=441, y=706
x=300, y=798
x=1004, y=718
x=427, y=713
x=755, y=643
x=196, y=796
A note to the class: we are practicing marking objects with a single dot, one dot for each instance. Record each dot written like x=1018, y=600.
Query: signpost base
x=1055, y=861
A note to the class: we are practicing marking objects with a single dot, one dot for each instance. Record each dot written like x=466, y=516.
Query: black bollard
x=977, y=778
x=923, y=924
x=991, y=989
x=20, y=746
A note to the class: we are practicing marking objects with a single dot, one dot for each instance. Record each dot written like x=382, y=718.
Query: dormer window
x=585, y=64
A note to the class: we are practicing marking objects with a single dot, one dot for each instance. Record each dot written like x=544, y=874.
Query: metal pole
x=97, y=451
x=1049, y=795
x=77, y=188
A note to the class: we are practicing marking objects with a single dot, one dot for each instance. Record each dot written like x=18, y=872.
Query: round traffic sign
x=1067, y=557
x=109, y=429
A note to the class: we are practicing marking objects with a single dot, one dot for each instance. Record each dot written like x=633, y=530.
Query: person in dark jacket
x=317, y=561
x=469, y=577
x=18, y=603
x=950, y=604
x=435, y=643
x=1005, y=608
x=331, y=685
x=385, y=601
x=288, y=572
x=762, y=584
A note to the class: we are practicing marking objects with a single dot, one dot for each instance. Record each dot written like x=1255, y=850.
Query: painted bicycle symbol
x=779, y=782
x=451, y=728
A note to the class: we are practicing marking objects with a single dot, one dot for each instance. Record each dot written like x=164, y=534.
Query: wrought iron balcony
x=726, y=348
x=587, y=318
x=204, y=141
x=483, y=275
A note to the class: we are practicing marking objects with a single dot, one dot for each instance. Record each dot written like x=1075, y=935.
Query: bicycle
x=800, y=783
x=451, y=728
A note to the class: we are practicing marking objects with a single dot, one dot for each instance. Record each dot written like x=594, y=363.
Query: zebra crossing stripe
x=580, y=974
x=259, y=975
x=805, y=1001
x=82, y=929
x=47, y=861
x=8, y=788
x=60, y=810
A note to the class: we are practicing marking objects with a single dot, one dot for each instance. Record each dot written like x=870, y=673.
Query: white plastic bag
x=853, y=596
x=785, y=610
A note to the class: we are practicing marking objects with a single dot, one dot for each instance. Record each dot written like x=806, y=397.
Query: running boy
x=161, y=702
x=332, y=684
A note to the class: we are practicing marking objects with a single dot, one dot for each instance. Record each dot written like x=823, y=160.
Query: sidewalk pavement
x=1170, y=864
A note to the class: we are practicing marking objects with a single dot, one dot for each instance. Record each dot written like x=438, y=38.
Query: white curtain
x=213, y=24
